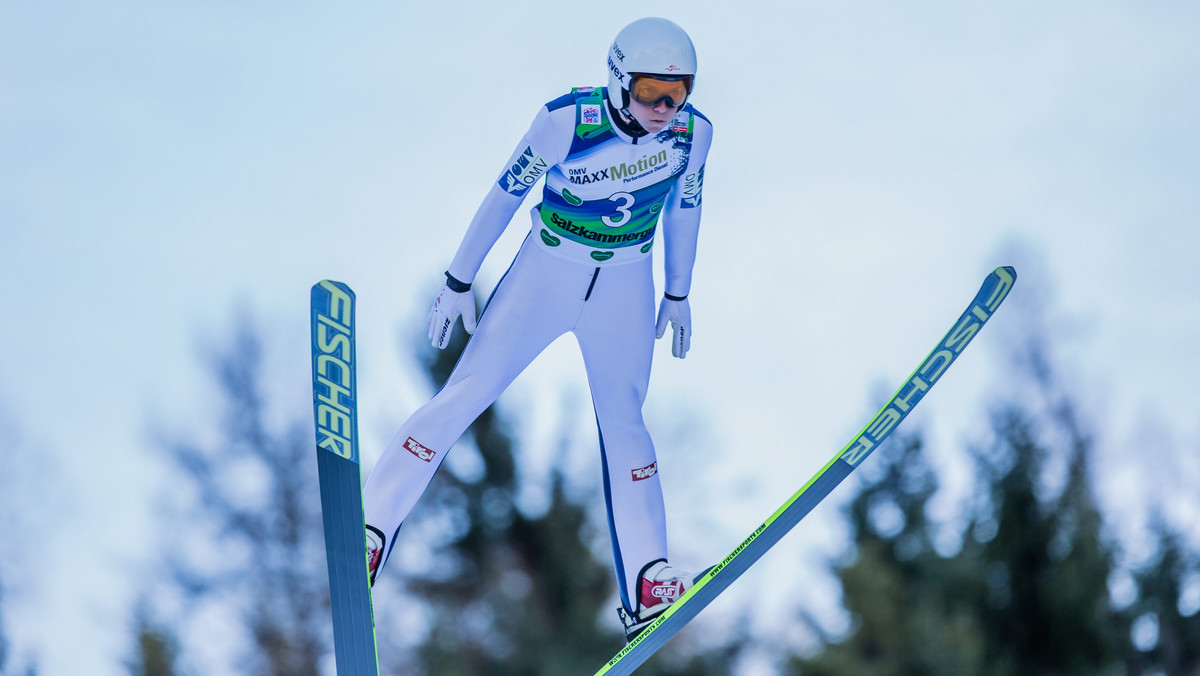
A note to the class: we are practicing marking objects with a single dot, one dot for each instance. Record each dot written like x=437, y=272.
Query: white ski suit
x=585, y=268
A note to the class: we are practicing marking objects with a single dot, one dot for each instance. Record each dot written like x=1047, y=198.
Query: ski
x=335, y=410
x=994, y=290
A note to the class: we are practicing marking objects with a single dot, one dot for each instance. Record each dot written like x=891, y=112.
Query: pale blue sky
x=872, y=161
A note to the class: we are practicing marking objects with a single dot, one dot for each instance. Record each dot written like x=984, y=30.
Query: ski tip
x=330, y=285
x=1006, y=271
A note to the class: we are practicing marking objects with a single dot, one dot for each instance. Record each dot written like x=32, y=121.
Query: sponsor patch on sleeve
x=693, y=184
x=526, y=168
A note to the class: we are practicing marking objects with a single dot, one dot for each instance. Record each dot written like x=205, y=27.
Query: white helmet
x=651, y=46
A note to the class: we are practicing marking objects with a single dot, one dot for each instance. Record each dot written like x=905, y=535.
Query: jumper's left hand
x=679, y=314
x=447, y=308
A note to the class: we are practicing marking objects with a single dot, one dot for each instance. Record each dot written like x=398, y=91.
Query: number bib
x=602, y=202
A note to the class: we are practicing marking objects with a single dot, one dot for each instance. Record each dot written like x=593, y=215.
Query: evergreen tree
x=1175, y=650
x=157, y=649
x=1082, y=610
x=18, y=467
x=3, y=640
x=1027, y=592
x=7, y=668
x=1046, y=603
x=903, y=598
x=1044, y=599
x=250, y=542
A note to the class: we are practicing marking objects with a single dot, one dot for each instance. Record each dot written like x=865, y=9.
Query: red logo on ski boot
x=418, y=450
x=665, y=591
x=373, y=558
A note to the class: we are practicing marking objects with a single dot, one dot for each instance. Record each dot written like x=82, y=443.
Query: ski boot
x=659, y=585
x=374, y=553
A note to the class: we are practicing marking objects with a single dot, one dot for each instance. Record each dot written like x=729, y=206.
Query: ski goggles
x=651, y=90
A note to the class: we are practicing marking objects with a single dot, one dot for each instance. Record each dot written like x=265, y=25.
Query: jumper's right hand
x=446, y=308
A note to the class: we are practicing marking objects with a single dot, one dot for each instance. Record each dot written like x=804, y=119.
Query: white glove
x=679, y=313
x=446, y=308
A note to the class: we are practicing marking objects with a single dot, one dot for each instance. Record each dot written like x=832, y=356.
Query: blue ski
x=719, y=577
x=335, y=409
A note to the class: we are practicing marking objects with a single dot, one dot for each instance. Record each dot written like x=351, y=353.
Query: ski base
x=335, y=410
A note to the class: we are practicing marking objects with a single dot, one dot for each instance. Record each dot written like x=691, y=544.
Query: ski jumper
x=586, y=268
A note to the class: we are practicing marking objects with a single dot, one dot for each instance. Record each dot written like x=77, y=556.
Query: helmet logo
x=618, y=52
x=615, y=71
x=672, y=68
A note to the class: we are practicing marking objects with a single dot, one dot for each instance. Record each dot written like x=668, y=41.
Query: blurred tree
x=3, y=639
x=903, y=598
x=1045, y=604
x=7, y=668
x=248, y=536
x=1174, y=643
x=1043, y=599
x=1027, y=592
x=157, y=648
x=19, y=467
x=517, y=594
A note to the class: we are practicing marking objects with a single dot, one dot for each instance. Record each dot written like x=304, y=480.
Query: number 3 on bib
x=623, y=210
